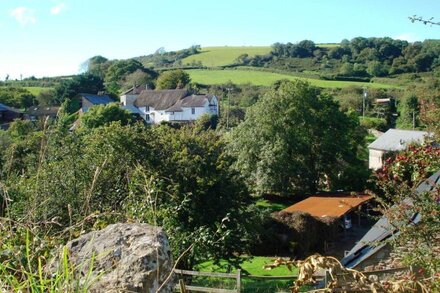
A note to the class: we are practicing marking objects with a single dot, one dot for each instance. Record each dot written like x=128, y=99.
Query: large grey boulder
x=127, y=258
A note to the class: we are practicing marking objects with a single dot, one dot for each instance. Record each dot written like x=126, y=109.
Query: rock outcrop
x=126, y=258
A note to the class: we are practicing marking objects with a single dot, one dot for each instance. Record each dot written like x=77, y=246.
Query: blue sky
x=53, y=37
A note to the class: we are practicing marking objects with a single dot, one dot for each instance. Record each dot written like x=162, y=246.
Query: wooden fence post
x=238, y=281
x=182, y=286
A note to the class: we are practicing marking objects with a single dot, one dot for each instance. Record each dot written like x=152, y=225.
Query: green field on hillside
x=32, y=89
x=221, y=56
x=262, y=78
x=36, y=90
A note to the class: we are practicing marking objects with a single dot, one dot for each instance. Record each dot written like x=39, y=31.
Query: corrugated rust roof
x=328, y=206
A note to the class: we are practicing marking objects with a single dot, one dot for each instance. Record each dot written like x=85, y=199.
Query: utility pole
x=364, y=97
x=414, y=119
x=229, y=104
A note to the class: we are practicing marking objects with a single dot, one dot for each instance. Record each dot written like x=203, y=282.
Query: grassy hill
x=221, y=56
x=226, y=55
x=262, y=78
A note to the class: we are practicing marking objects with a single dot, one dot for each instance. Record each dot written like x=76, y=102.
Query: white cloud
x=57, y=8
x=410, y=37
x=24, y=15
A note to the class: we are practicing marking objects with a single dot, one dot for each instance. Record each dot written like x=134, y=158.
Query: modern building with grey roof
x=391, y=141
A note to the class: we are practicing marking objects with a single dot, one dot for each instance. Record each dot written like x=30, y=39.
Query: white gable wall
x=375, y=160
x=128, y=100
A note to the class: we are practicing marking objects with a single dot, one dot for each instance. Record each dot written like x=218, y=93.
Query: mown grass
x=253, y=266
x=37, y=90
x=272, y=206
x=221, y=56
x=262, y=78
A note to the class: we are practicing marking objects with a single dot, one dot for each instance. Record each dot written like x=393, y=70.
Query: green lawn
x=272, y=206
x=252, y=266
x=262, y=78
x=36, y=90
x=221, y=56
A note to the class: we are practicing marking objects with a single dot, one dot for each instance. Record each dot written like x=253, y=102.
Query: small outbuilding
x=35, y=113
x=334, y=207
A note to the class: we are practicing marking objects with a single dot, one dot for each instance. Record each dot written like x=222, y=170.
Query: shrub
x=374, y=123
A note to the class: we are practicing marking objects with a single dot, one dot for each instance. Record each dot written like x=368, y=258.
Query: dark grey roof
x=160, y=99
x=97, y=99
x=374, y=239
x=43, y=111
x=397, y=139
x=4, y=108
x=132, y=109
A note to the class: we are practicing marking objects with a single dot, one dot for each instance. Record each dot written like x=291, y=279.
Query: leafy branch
x=430, y=21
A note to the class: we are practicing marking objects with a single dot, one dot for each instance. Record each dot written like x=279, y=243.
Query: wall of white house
x=128, y=100
x=375, y=160
x=157, y=116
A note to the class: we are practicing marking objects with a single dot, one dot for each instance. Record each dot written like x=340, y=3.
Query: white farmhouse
x=170, y=105
x=392, y=141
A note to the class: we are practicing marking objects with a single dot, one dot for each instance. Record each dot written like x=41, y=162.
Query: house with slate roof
x=393, y=140
x=90, y=100
x=373, y=246
x=177, y=105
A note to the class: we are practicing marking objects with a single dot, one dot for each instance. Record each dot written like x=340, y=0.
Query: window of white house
x=193, y=111
x=147, y=117
x=147, y=108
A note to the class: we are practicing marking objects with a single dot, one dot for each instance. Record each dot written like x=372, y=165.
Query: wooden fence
x=187, y=288
x=184, y=288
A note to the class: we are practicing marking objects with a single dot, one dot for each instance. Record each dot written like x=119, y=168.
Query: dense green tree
x=346, y=69
x=138, y=78
x=47, y=98
x=376, y=68
x=101, y=115
x=409, y=110
x=199, y=200
x=119, y=70
x=296, y=139
x=83, y=83
x=173, y=79
x=16, y=97
x=98, y=65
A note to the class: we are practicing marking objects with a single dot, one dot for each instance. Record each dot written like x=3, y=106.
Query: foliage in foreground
x=24, y=263
x=352, y=280
x=396, y=183
x=179, y=179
